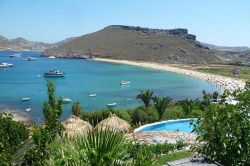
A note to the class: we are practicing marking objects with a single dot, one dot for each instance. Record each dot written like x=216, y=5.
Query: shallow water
x=25, y=79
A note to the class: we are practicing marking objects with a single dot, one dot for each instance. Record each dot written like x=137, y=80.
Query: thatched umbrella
x=76, y=126
x=115, y=123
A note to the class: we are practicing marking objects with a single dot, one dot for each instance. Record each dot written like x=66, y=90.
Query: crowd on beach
x=226, y=83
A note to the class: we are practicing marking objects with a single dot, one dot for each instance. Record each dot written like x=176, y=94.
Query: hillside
x=22, y=44
x=234, y=54
x=138, y=44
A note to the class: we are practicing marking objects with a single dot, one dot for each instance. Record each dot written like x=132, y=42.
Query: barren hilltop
x=138, y=44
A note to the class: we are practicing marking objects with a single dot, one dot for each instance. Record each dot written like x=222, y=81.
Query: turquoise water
x=182, y=125
x=25, y=79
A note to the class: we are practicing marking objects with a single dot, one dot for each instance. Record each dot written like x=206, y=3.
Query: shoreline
x=225, y=83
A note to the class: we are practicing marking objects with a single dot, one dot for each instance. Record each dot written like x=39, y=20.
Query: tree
x=215, y=96
x=146, y=97
x=46, y=134
x=161, y=104
x=76, y=109
x=53, y=110
x=206, y=100
x=225, y=131
x=187, y=105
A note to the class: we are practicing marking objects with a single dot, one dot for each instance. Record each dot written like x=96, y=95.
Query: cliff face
x=138, y=44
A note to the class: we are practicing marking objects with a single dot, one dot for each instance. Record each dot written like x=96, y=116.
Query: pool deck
x=161, y=137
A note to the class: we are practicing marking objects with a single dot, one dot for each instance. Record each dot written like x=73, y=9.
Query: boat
x=17, y=55
x=66, y=100
x=51, y=57
x=111, y=105
x=28, y=109
x=25, y=99
x=92, y=94
x=30, y=58
x=53, y=73
x=124, y=82
x=2, y=65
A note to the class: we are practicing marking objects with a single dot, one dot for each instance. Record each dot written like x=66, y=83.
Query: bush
x=195, y=113
x=173, y=113
x=139, y=116
x=123, y=114
x=225, y=131
x=12, y=134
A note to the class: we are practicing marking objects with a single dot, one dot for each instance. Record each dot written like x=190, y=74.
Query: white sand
x=226, y=83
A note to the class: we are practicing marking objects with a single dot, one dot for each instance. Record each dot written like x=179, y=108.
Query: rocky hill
x=22, y=44
x=138, y=44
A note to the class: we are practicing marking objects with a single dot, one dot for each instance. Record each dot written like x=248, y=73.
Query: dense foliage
x=12, y=134
x=225, y=130
x=46, y=134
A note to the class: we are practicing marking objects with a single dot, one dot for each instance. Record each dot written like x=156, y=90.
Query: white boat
x=124, y=82
x=51, y=57
x=111, y=105
x=17, y=55
x=28, y=109
x=30, y=58
x=66, y=100
x=6, y=65
x=25, y=99
x=92, y=94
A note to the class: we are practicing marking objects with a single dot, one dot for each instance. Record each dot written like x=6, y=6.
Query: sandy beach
x=226, y=83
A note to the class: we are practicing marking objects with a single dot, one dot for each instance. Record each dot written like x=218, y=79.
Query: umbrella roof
x=115, y=123
x=76, y=126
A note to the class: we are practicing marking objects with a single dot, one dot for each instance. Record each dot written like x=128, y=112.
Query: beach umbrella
x=76, y=126
x=115, y=123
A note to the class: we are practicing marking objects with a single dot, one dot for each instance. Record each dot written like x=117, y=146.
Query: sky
x=219, y=22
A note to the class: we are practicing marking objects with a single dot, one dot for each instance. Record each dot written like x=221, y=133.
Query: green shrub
x=12, y=134
x=139, y=116
x=152, y=115
x=123, y=114
x=195, y=114
x=173, y=113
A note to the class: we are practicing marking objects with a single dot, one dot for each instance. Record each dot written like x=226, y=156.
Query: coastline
x=226, y=83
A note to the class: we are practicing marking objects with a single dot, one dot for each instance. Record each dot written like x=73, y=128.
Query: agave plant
x=98, y=147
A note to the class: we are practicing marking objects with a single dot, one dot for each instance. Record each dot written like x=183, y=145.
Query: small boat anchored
x=111, y=105
x=123, y=82
x=25, y=99
x=30, y=58
x=5, y=65
x=51, y=57
x=66, y=100
x=92, y=94
x=28, y=109
x=53, y=73
x=17, y=55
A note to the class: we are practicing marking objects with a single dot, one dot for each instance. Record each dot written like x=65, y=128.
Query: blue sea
x=25, y=79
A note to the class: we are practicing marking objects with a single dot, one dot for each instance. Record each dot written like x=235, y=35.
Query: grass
x=225, y=70
x=174, y=156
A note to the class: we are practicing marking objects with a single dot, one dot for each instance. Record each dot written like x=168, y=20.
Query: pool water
x=173, y=125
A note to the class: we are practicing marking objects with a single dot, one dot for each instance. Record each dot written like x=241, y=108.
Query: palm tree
x=161, y=104
x=146, y=97
x=76, y=109
x=215, y=96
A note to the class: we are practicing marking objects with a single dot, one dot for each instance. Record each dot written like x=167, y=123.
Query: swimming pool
x=182, y=125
